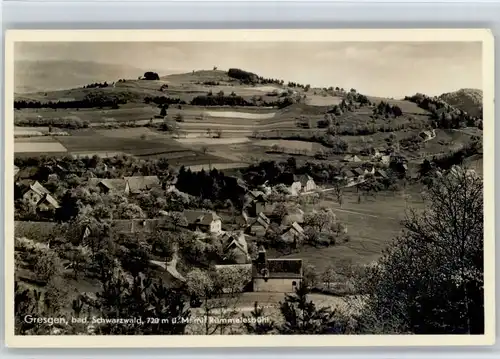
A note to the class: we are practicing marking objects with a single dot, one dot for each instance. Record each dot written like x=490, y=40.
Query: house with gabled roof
x=276, y=275
x=111, y=185
x=427, y=135
x=38, y=196
x=380, y=173
x=137, y=184
x=235, y=246
x=293, y=234
x=204, y=221
x=260, y=225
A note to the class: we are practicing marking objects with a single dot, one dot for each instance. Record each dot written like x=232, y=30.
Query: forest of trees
x=149, y=75
x=96, y=85
x=71, y=123
x=91, y=100
x=444, y=115
x=164, y=100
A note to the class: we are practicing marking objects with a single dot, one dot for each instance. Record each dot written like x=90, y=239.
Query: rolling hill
x=35, y=76
x=468, y=100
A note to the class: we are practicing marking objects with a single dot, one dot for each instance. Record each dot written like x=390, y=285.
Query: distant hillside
x=34, y=76
x=468, y=100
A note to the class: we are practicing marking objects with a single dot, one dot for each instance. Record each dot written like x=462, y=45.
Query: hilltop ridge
x=466, y=99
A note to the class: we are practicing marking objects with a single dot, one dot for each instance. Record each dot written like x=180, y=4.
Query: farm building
x=275, y=275
x=351, y=158
x=427, y=135
x=307, y=183
x=114, y=185
x=204, y=221
x=235, y=247
x=137, y=184
x=293, y=234
x=38, y=195
x=260, y=226
x=255, y=196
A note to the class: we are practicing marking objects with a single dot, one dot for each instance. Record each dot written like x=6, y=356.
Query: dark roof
x=262, y=220
x=200, y=217
x=279, y=268
x=349, y=173
x=50, y=200
x=358, y=171
x=382, y=173
x=117, y=184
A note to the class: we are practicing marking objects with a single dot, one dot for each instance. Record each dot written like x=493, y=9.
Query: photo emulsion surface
x=248, y=188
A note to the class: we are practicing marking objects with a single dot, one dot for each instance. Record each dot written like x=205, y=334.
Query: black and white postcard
x=218, y=188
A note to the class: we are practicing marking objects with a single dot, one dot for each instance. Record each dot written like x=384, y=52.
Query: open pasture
x=290, y=145
x=20, y=132
x=317, y=100
x=212, y=141
x=38, y=147
x=126, y=113
x=237, y=114
x=372, y=225
x=406, y=106
x=265, y=88
x=108, y=141
x=219, y=166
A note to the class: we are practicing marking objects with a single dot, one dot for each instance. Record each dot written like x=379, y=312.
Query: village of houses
x=271, y=275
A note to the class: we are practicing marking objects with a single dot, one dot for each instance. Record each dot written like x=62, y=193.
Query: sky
x=392, y=69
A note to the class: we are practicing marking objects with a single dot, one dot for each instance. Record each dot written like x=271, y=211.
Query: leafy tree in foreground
x=431, y=280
